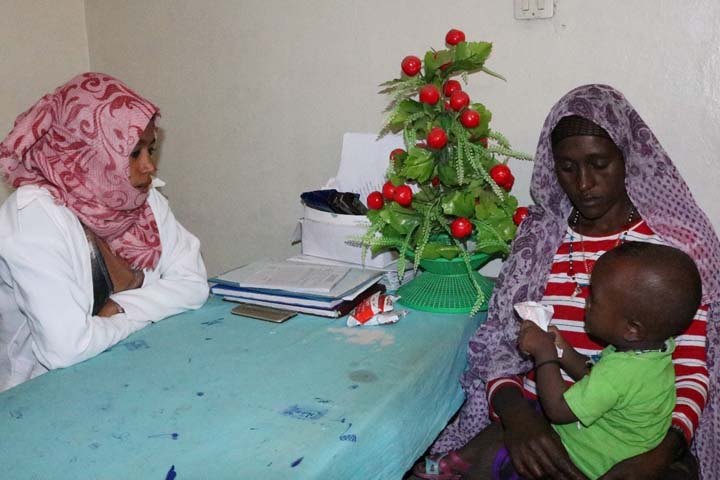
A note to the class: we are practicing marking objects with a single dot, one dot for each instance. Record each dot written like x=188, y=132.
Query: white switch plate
x=534, y=9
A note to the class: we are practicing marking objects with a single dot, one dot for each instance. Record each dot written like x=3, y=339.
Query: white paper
x=535, y=312
x=364, y=160
x=299, y=277
x=539, y=314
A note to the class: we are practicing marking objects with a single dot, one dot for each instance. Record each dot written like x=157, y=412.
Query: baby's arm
x=550, y=384
x=574, y=363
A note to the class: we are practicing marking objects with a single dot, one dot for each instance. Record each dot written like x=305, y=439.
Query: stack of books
x=325, y=290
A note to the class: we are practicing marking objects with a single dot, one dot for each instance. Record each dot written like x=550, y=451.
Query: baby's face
x=607, y=305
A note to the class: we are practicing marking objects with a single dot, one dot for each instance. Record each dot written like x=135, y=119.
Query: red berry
x=435, y=181
x=388, y=190
x=403, y=195
x=470, y=118
x=375, y=201
x=453, y=37
x=436, y=138
x=395, y=153
x=461, y=227
x=484, y=142
x=459, y=100
x=508, y=183
x=450, y=87
x=447, y=104
x=411, y=65
x=519, y=215
x=500, y=174
x=429, y=94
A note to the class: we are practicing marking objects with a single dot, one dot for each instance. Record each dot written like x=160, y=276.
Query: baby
x=641, y=296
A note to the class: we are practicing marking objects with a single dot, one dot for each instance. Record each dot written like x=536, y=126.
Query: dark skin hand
x=549, y=381
x=652, y=465
x=122, y=276
x=534, y=447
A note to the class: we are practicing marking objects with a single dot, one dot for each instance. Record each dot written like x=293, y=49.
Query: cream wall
x=256, y=94
x=41, y=46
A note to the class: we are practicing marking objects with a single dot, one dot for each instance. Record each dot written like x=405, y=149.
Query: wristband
x=555, y=361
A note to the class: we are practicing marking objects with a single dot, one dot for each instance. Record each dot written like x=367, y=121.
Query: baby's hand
x=560, y=341
x=533, y=341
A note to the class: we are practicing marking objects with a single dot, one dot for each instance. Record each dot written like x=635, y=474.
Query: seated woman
x=600, y=178
x=89, y=249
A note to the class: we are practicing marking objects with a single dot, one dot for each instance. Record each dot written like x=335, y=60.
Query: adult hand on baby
x=533, y=341
x=655, y=464
x=637, y=468
x=535, y=448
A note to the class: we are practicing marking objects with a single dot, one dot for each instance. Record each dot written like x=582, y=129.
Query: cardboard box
x=329, y=235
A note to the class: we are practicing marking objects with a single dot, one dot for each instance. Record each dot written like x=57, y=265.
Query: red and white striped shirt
x=691, y=376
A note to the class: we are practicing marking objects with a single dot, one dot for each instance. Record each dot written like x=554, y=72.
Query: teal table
x=211, y=395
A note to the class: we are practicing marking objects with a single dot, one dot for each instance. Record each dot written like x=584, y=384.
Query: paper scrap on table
x=539, y=314
x=377, y=309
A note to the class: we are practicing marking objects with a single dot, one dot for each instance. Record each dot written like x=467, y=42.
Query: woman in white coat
x=89, y=249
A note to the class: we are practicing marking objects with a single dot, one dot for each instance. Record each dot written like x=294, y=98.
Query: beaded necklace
x=571, y=270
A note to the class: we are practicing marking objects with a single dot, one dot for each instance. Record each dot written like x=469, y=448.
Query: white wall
x=257, y=93
x=43, y=43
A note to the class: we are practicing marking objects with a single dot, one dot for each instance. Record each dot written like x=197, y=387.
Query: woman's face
x=142, y=163
x=591, y=171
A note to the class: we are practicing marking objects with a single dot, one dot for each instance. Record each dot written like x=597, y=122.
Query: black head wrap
x=575, y=125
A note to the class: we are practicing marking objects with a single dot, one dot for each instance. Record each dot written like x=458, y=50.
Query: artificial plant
x=447, y=193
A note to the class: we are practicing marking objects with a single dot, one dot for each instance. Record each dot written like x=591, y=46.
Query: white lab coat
x=46, y=290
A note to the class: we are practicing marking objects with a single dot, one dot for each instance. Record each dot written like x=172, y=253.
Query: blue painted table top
x=211, y=395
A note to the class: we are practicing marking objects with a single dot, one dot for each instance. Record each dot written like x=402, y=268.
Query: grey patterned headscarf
x=660, y=196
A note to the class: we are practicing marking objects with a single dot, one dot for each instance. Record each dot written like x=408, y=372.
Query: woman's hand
x=123, y=277
x=534, y=447
x=535, y=342
x=109, y=309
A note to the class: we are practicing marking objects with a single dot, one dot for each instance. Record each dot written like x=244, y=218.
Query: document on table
x=284, y=275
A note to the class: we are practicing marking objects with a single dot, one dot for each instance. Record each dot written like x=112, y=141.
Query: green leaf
x=402, y=112
x=458, y=204
x=434, y=60
x=476, y=51
x=447, y=174
x=425, y=194
x=432, y=251
x=483, y=127
x=486, y=206
x=396, y=179
x=418, y=165
x=374, y=216
x=511, y=204
x=402, y=220
x=449, y=251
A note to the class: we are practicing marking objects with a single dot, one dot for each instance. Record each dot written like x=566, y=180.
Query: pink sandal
x=442, y=467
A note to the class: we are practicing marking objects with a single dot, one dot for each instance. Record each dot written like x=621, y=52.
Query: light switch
x=534, y=9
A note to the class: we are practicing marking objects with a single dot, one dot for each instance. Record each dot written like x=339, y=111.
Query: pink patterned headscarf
x=76, y=143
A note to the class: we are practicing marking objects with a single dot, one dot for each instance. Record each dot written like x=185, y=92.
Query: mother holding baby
x=601, y=178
